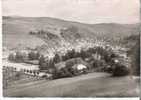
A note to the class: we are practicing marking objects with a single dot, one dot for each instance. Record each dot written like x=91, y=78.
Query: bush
x=120, y=70
x=67, y=71
x=62, y=73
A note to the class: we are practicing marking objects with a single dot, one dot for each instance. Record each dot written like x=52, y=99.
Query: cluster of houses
x=76, y=63
x=29, y=72
x=77, y=46
x=33, y=69
x=43, y=74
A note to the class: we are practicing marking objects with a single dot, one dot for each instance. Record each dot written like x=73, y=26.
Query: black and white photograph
x=70, y=48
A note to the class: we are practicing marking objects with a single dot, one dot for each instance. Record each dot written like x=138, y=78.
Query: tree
x=42, y=63
x=31, y=55
x=51, y=63
x=65, y=57
x=31, y=33
x=56, y=58
x=19, y=57
x=135, y=55
x=91, y=50
x=120, y=70
x=30, y=71
x=69, y=64
x=37, y=55
x=71, y=53
x=11, y=57
x=34, y=72
x=84, y=54
x=18, y=75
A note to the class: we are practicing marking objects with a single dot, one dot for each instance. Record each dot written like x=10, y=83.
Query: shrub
x=63, y=72
x=120, y=70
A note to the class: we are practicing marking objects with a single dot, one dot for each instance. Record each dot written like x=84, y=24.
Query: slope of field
x=89, y=85
x=15, y=33
x=16, y=29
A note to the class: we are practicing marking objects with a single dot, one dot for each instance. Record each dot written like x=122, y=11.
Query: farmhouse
x=75, y=63
x=79, y=67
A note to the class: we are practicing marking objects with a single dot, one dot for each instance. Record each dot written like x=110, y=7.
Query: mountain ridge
x=16, y=29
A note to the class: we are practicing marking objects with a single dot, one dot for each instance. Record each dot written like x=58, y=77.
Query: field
x=89, y=85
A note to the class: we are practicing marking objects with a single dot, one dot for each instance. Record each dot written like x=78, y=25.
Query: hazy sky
x=87, y=11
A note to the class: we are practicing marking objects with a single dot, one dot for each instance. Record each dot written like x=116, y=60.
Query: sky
x=85, y=11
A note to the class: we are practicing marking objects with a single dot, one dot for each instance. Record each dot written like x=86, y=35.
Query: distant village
x=68, y=61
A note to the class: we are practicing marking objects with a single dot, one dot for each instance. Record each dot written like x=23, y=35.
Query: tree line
x=95, y=56
x=21, y=57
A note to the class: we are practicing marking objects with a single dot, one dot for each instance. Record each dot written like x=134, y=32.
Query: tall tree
x=42, y=63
